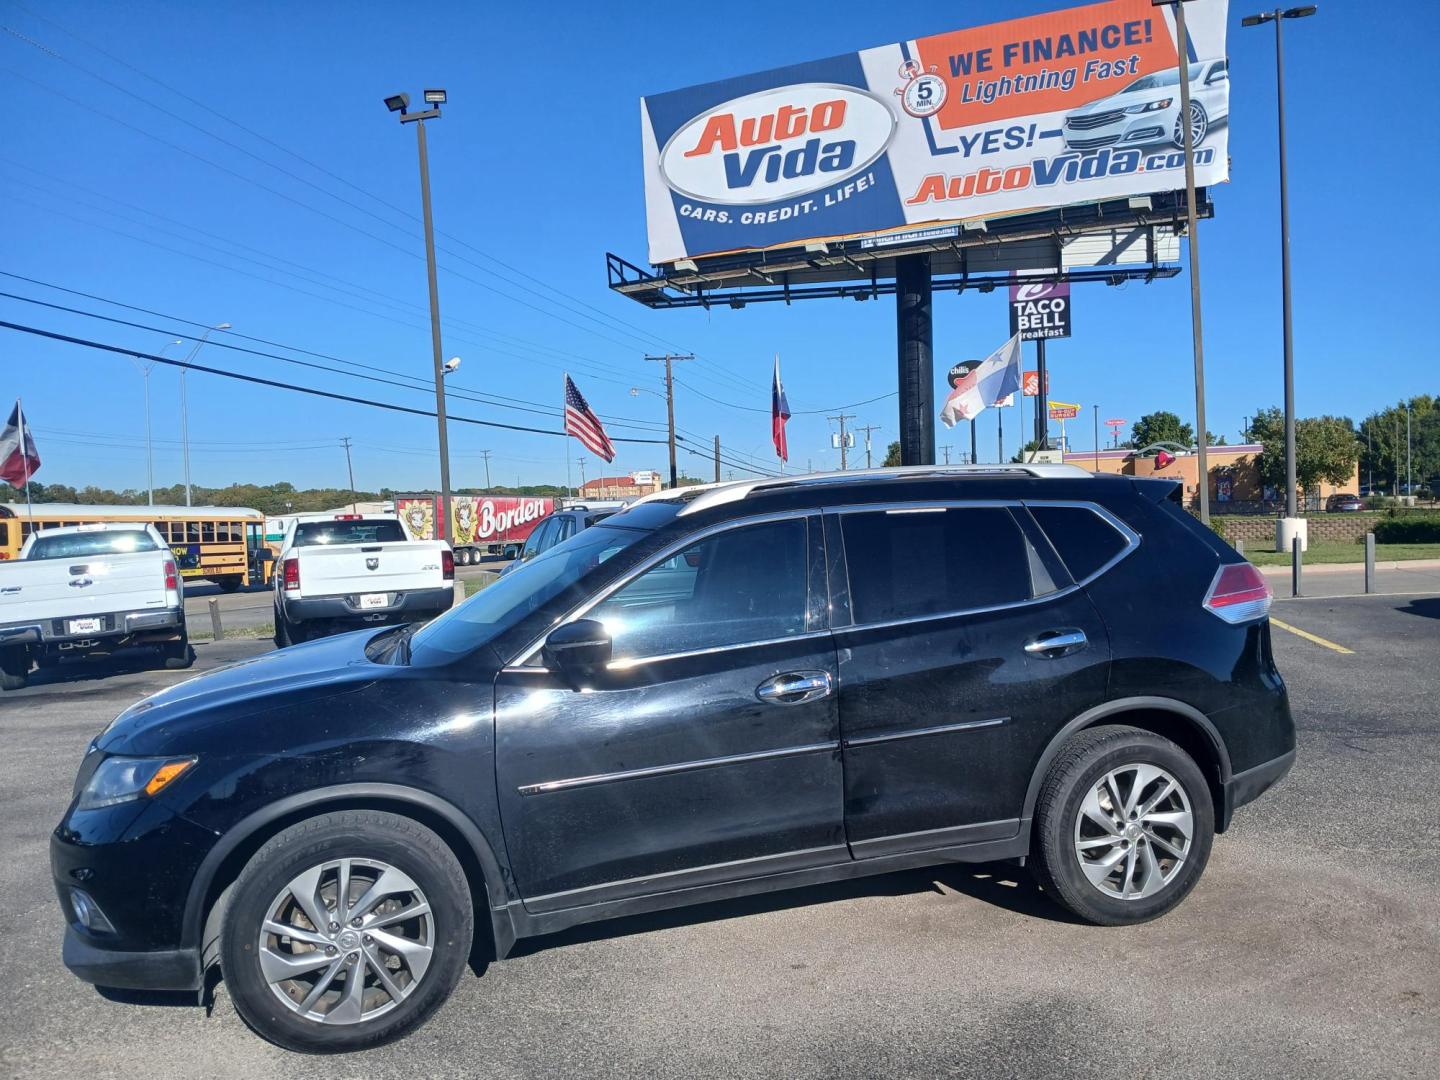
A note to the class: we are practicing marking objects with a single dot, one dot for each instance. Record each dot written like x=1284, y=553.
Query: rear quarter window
x=1084, y=540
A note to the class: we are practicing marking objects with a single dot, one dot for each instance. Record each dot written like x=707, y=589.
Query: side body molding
x=342, y=794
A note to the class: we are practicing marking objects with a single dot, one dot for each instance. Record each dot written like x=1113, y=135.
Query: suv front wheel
x=346, y=931
x=1124, y=825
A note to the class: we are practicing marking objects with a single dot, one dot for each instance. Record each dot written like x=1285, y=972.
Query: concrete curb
x=1354, y=567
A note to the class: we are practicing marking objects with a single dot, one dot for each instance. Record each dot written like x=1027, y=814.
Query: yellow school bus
x=218, y=543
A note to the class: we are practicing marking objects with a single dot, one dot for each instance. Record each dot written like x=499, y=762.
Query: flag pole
x=25, y=461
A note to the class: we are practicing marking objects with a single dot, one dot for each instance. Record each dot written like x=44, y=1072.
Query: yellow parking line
x=1311, y=637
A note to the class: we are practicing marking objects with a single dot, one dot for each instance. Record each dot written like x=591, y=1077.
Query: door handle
x=795, y=688
x=1055, y=643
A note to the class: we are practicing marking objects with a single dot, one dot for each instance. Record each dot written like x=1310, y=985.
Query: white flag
x=991, y=382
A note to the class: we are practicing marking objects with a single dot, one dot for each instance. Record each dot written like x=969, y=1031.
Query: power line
x=277, y=384
x=794, y=412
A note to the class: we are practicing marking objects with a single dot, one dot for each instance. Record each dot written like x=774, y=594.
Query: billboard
x=1072, y=106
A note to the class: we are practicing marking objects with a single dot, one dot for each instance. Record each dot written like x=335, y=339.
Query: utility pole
x=1409, y=479
x=581, y=461
x=1182, y=49
x=349, y=468
x=946, y=449
x=717, y=459
x=486, y=455
x=669, y=359
x=400, y=103
x=844, y=461
x=867, y=429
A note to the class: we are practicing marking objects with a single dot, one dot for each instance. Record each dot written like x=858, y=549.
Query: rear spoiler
x=1158, y=489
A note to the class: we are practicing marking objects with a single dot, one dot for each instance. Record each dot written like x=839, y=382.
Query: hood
x=1124, y=100
x=314, y=670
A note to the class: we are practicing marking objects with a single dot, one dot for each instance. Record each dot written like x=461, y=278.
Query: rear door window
x=1084, y=540
x=911, y=563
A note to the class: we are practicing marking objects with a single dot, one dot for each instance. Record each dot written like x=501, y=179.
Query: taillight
x=172, y=579
x=1238, y=593
x=447, y=565
x=292, y=573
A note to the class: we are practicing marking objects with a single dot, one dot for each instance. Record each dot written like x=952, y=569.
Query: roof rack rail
x=719, y=494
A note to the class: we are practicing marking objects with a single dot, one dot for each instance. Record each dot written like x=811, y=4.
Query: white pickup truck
x=355, y=571
x=89, y=589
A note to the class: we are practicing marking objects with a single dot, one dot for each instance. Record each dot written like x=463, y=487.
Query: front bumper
x=415, y=604
x=1142, y=129
x=1245, y=787
x=159, y=969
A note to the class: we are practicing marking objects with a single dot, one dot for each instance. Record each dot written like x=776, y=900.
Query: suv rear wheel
x=1124, y=825
x=346, y=931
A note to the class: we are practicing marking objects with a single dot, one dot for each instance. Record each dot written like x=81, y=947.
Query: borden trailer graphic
x=1074, y=106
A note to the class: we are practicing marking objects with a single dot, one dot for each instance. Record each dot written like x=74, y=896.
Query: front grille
x=1093, y=120
x=1092, y=144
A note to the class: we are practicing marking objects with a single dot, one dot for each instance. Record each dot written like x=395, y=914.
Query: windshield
x=83, y=545
x=499, y=606
x=311, y=533
x=1161, y=78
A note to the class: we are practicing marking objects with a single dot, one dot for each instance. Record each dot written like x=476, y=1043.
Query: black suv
x=718, y=691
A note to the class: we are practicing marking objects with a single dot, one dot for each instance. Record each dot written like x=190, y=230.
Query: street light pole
x=145, y=367
x=1182, y=49
x=400, y=103
x=185, y=406
x=1292, y=510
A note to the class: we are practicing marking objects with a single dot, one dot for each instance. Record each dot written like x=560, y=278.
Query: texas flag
x=779, y=413
x=991, y=382
x=19, y=460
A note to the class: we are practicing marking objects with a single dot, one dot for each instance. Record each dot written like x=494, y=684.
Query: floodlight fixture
x=398, y=103
x=434, y=97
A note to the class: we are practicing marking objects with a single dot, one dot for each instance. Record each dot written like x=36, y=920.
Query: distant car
x=1344, y=502
x=1148, y=110
x=557, y=528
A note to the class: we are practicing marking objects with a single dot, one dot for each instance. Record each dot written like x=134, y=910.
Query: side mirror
x=578, y=647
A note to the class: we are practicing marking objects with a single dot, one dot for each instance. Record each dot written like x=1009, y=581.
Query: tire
x=1198, y=119
x=14, y=668
x=463, y=557
x=309, y=857
x=231, y=583
x=179, y=656
x=1127, y=871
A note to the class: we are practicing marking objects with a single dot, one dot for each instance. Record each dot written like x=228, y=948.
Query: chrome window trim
x=809, y=514
x=1132, y=541
x=938, y=729
x=547, y=786
x=622, y=665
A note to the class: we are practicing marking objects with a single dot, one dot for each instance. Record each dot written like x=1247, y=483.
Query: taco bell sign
x=1040, y=310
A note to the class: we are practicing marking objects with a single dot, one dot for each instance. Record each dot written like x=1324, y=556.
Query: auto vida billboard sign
x=1068, y=107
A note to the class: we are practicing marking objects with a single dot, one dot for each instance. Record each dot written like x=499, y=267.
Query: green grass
x=475, y=584
x=1333, y=551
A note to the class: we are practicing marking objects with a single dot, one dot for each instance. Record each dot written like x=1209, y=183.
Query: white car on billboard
x=1148, y=110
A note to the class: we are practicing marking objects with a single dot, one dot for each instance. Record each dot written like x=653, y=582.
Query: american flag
x=584, y=424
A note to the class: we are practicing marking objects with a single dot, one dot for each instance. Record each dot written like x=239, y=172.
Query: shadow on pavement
x=1002, y=884
x=1427, y=607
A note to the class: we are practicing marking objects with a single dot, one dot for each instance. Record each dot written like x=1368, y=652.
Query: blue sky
x=536, y=162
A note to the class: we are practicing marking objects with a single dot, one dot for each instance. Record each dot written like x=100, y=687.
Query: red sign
x=1063, y=412
x=1030, y=383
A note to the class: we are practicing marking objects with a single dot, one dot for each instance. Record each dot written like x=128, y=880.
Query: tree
x=1384, y=449
x=1326, y=449
x=1161, y=427
x=892, y=455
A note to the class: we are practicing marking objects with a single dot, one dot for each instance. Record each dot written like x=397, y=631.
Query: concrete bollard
x=1240, y=546
x=1295, y=548
x=1369, y=562
x=216, y=628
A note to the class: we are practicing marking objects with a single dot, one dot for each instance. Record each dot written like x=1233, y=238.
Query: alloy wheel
x=1133, y=831
x=347, y=941
x=1198, y=126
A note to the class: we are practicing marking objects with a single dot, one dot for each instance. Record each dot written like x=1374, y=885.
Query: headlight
x=1153, y=106
x=121, y=779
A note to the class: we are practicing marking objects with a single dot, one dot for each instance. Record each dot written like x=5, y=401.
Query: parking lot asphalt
x=1310, y=948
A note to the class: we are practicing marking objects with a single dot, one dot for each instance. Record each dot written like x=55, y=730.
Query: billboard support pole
x=914, y=332
x=1182, y=49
